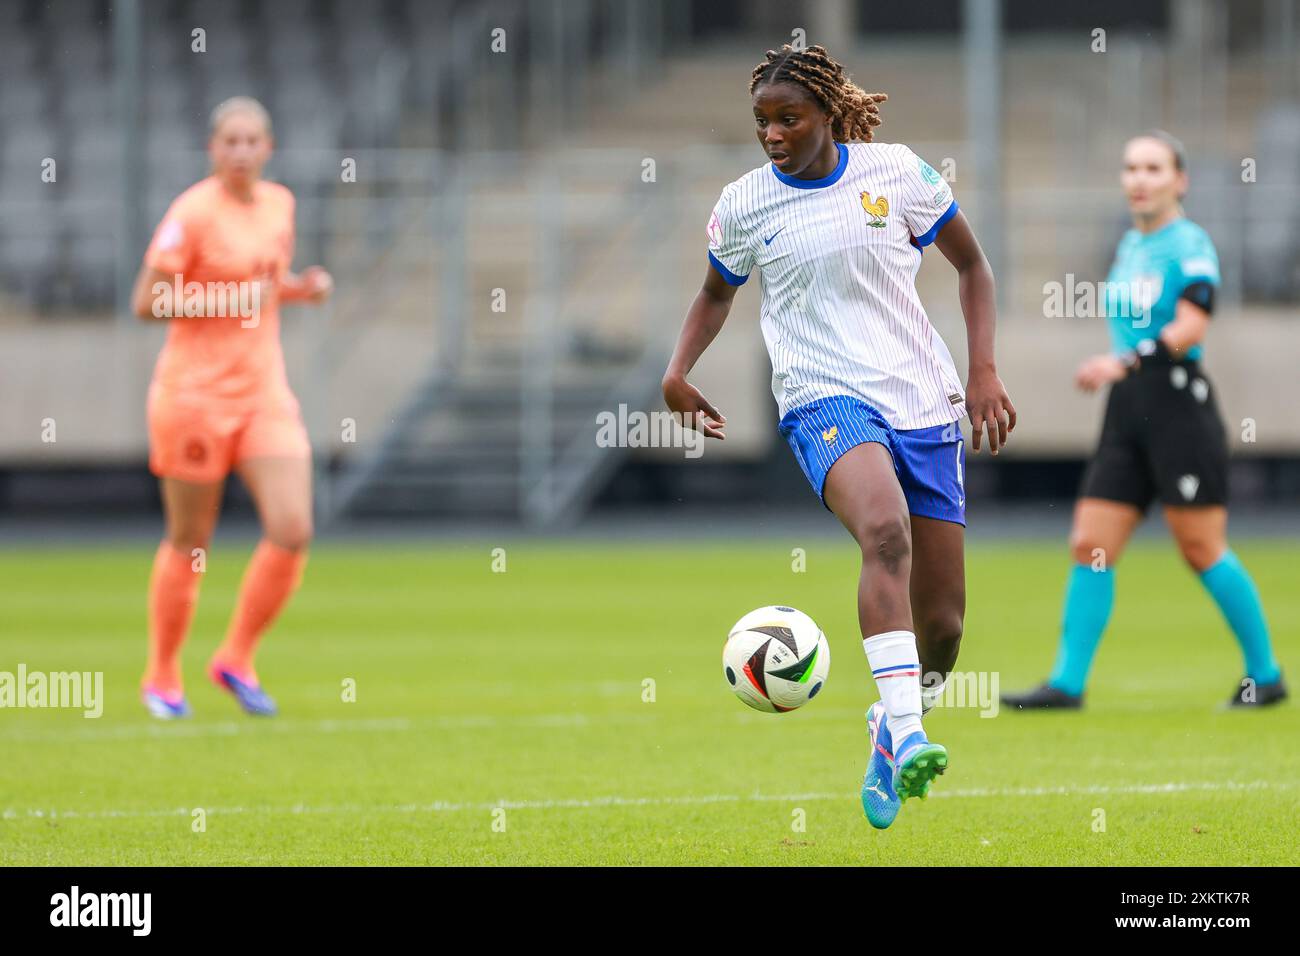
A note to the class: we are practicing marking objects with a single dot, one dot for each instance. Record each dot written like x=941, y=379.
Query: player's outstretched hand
x=1097, y=371
x=989, y=407
x=317, y=284
x=695, y=410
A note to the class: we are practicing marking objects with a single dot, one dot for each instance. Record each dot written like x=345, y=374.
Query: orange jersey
x=210, y=239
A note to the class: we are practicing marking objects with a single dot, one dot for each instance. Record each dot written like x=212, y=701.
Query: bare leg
x=863, y=492
x=938, y=591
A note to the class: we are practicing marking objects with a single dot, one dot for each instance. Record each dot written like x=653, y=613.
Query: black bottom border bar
x=331, y=904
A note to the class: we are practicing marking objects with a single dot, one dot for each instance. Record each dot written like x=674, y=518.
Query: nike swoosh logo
x=768, y=242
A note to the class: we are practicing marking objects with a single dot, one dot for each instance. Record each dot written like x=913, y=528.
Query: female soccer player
x=216, y=271
x=868, y=395
x=1162, y=436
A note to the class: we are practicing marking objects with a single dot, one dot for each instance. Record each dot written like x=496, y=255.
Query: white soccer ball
x=776, y=659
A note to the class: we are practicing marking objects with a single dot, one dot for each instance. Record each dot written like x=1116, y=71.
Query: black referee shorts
x=1162, y=438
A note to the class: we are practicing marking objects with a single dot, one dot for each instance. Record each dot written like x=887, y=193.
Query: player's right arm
x=166, y=262
x=151, y=298
x=703, y=322
x=731, y=257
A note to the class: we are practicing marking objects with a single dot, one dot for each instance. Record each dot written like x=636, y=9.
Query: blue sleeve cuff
x=727, y=274
x=933, y=231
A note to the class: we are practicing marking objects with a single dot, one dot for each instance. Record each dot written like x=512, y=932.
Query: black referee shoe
x=1250, y=694
x=1045, y=697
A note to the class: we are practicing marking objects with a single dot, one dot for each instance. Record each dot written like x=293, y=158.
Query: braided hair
x=853, y=111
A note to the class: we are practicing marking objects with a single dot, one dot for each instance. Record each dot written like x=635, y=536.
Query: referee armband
x=1200, y=294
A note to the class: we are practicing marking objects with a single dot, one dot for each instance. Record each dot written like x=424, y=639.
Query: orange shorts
x=193, y=440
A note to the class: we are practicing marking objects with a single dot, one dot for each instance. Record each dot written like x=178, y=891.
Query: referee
x=1162, y=438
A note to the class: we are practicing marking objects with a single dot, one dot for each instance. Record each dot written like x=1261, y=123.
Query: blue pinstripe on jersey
x=837, y=260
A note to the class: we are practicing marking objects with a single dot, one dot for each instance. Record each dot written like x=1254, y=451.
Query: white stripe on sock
x=897, y=671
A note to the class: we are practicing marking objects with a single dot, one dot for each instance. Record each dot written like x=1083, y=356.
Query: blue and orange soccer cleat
x=879, y=799
x=165, y=705
x=917, y=761
x=248, y=693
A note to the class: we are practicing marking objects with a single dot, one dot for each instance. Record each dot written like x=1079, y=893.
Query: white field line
x=595, y=803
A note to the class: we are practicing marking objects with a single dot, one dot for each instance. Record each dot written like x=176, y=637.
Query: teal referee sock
x=1230, y=585
x=1089, y=597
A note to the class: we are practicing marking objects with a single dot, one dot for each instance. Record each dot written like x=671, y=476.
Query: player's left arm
x=1191, y=322
x=1198, y=276
x=312, y=285
x=987, y=403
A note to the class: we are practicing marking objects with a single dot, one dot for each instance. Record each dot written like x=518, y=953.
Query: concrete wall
x=90, y=378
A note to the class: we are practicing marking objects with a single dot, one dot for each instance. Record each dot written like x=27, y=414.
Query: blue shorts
x=929, y=462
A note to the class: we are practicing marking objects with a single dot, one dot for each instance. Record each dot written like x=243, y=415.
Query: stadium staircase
x=504, y=424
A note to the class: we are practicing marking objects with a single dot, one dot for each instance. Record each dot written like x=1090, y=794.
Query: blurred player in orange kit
x=216, y=271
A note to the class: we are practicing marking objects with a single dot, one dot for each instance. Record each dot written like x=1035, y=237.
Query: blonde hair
x=238, y=104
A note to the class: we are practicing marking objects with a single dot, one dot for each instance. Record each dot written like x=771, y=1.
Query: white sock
x=931, y=696
x=897, y=670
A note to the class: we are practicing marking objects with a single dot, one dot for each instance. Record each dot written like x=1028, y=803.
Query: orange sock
x=270, y=579
x=173, y=593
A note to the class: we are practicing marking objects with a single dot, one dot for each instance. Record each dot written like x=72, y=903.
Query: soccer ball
x=776, y=659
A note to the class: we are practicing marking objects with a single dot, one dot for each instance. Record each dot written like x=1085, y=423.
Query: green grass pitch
x=500, y=718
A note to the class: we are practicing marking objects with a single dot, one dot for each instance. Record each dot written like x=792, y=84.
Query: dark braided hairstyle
x=853, y=111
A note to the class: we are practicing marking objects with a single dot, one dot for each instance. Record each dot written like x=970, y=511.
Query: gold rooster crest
x=877, y=210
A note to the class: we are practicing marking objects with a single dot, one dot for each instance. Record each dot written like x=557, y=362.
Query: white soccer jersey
x=838, y=258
